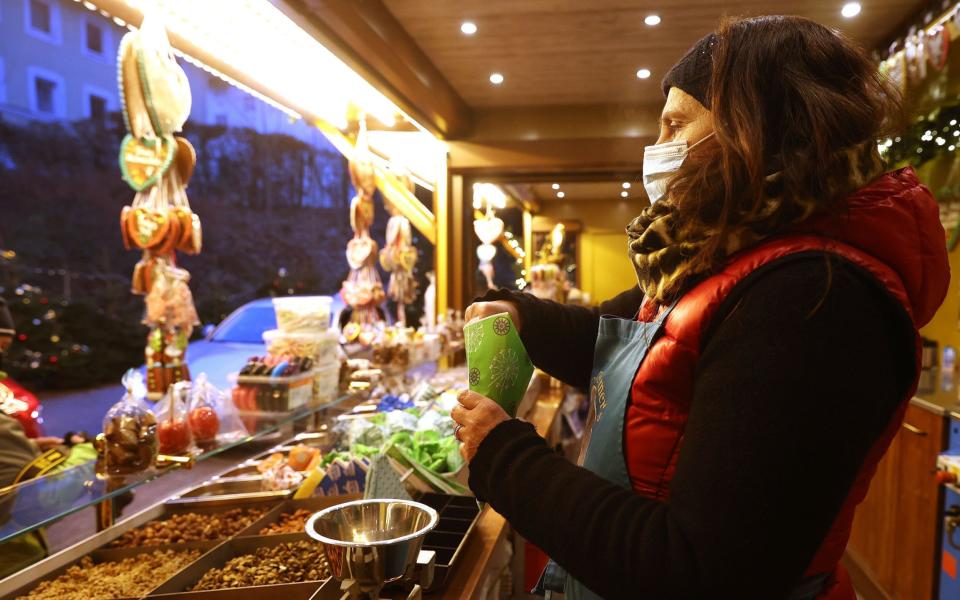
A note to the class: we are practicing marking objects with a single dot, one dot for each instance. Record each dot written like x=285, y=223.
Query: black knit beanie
x=692, y=72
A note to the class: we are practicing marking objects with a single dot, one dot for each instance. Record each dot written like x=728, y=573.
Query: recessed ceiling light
x=496, y=78
x=850, y=9
x=468, y=27
x=624, y=194
x=556, y=186
x=652, y=20
x=626, y=185
x=643, y=73
x=560, y=194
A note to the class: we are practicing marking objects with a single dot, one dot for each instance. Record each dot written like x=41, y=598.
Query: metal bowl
x=372, y=542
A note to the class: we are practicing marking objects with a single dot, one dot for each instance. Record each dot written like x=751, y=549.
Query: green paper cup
x=497, y=362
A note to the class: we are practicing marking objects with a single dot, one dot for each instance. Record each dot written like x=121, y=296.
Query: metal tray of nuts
x=145, y=565
x=289, y=507
x=197, y=528
x=219, y=557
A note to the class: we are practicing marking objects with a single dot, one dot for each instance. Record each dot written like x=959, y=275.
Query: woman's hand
x=476, y=416
x=479, y=310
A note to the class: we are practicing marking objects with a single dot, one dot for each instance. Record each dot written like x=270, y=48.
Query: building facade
x=58, y=61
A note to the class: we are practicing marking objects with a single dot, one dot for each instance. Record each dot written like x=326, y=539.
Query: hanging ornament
x=363, y=289
x=489, y=228
x=156, y=101
x=938, y=45
x=486, y=252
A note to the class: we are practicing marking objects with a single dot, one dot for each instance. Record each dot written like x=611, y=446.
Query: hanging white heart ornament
x=488, y=229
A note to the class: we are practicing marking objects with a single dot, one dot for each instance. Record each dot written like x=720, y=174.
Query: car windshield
x=246, y=326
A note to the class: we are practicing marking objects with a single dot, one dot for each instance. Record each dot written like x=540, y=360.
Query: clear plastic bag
x=130, y=430
x=229, y=427
x=204, y=414
x=173, y=428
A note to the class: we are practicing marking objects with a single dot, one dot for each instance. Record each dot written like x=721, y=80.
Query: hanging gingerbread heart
x=124, y=230
x=407, y=257
x=186, y=159
x=143, y=162
x=147, y=228
x=359, y=251
x=185, y=217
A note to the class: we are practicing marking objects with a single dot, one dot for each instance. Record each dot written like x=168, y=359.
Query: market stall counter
x=207, y=544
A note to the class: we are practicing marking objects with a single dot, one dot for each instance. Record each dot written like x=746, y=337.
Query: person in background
x=755, y=377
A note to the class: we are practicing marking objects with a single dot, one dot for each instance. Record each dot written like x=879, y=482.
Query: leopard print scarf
x=661, y=248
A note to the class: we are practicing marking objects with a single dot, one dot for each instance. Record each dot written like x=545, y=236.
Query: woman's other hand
x=479, y=310
x=476, y=416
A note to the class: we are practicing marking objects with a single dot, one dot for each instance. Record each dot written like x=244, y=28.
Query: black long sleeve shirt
x=805, y=364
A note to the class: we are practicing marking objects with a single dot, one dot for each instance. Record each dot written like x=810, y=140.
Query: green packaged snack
x=497, y=362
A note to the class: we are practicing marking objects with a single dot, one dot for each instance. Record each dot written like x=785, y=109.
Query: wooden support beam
x=545, y=157
x=365, y=35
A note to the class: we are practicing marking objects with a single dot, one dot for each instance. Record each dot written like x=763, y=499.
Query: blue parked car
x=226, y=347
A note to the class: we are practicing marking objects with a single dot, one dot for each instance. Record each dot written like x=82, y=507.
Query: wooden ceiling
x=573, y=52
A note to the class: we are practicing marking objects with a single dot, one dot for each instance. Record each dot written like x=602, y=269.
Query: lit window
x=40, y=16
x=94, y=39
x=97, y=107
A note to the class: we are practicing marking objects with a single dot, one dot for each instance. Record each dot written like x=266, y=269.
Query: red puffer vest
x=892, y=229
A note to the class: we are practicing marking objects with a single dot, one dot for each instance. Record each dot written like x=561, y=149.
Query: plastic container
x=303, y=313
x=326, y=384
x=275, y=394
x=320, y=346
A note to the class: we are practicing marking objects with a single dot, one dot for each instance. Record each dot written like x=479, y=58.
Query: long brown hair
x=789, y=97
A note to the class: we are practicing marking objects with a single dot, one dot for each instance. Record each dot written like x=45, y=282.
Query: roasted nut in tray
x=292, y=562
x=294, y=522
x=188, y=527
x=128, y=578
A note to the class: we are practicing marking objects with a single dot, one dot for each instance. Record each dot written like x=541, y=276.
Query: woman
x=760, y=370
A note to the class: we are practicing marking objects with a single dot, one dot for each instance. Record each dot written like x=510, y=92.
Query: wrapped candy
x=130, y=430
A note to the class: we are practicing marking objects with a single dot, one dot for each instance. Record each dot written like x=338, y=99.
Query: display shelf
x=39, y=502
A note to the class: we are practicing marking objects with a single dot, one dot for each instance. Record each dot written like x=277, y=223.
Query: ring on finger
x=456, y=432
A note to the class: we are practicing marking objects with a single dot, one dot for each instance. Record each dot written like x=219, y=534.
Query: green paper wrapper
x=497, y=362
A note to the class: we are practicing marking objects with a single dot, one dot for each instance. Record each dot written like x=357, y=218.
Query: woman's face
x=684, y=118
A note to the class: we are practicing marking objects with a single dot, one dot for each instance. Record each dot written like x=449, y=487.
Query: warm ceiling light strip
x=260, y=43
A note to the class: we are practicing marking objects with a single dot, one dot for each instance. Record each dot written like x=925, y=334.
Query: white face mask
x=660, y=162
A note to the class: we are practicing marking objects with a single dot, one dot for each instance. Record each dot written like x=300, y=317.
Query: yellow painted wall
x=605, y=268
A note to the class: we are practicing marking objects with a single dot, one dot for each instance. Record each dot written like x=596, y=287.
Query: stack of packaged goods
x=302, y=366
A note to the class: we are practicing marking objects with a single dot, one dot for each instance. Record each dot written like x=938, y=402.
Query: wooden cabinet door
x=917, y=505
x=872, y=540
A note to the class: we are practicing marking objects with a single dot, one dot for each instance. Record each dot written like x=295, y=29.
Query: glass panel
x=246, y=326
x=39, y=502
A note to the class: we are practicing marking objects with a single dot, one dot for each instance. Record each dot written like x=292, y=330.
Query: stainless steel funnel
x=372, y=542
